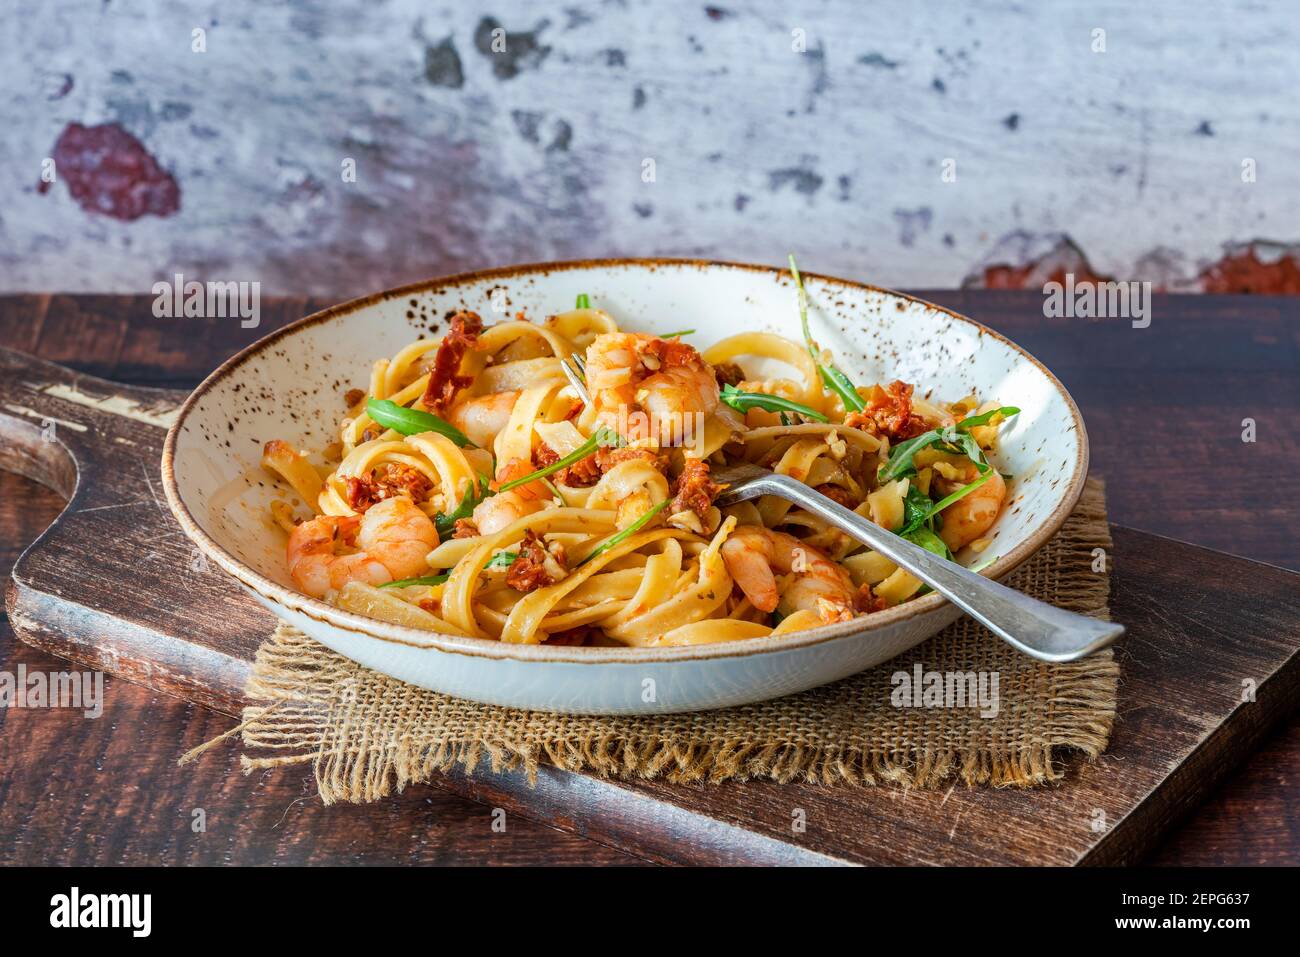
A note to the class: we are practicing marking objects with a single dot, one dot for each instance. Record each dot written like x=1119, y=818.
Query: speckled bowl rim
x=490, y=648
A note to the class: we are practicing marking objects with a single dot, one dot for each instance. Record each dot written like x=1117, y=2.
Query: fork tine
x=576, y=381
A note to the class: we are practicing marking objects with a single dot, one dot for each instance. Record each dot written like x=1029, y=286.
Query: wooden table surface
x=1164, y=408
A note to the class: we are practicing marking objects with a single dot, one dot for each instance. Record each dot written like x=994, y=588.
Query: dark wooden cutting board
x=114, y=585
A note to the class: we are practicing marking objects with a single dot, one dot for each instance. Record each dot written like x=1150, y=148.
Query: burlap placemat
x=365, y=733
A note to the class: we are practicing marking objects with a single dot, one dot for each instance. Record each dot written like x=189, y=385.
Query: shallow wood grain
x=1199, y=623
x=1250, y=820
x=1181, y=725
x=107, y=791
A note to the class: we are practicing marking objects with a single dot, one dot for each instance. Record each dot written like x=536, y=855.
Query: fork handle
x=1035, y=627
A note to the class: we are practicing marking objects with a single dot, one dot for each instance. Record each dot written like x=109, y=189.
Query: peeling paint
x=752, y=138
x=517, y=51
x=162, y=418
x=109, y=172
x=442, y=66
x=912, y=222
x=804, y=180
x=1024, y=260
x=1258, y=267
x=44, y=417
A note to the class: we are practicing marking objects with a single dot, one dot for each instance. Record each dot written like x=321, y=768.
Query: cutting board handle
x=91, y=587
x=57, y=423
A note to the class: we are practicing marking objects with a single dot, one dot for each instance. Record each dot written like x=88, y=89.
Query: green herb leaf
x=744, y=401
x=929, y=541
x=627, y=533
x=502, y=560
x=413, y=421
x=803, y=309
x=840, y=384
x=965, y=443
x=961, y=493
x=974, y=421
x=917, y=508
x=832, y=378
x=956, y=439
x=583, y=301
x=426, y=580
x=446, y=523
x=900, y=456
x=916, y=515
x=606, y=437
x=674, y=335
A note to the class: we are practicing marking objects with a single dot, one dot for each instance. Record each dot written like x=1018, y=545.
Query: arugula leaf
x=583, y=301
x=502, y=560
x=744, y=401
x=929, y=541
x=966, y=443
x=832, y=378
x=624, y=535
x=413, y=421
x=445, y=523
x=601, y=437
x=842, y=386
x=974, y=421
x=426, y=580
x=900, y=456
x=917, y=509
x=954, y=438
x=962, y=492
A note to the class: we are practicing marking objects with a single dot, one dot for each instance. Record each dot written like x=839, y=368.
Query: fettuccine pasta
x=473, y=490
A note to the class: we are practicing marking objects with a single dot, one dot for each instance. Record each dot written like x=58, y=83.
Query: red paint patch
x=1025, y=260
x=1244, y=271
x=108, y=171
x=1021, y=277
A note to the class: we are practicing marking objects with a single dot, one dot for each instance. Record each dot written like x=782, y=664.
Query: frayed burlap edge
x=366, y=734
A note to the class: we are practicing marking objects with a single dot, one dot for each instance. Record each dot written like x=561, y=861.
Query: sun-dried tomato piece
x=444, y=380
x=581, y=474
x=534, y=565
x=693, y=490
x=888, y=413
x=395, y=479
x=866, y=602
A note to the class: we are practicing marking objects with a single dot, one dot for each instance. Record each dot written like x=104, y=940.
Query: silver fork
x=577, y=377
x=1036, y=628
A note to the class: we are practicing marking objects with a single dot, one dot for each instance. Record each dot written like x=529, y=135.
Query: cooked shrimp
x=483, y=416
x=754, y=556
x=497, y=511
x=648, y=387
x=393, y=537
x=968, y=518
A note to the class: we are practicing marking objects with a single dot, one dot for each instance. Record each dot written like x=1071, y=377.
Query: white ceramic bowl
x=290, y=384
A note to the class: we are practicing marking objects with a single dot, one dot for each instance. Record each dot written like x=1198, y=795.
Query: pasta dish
x=477, y=489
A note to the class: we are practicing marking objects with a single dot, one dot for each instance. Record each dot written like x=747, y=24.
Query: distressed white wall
x=468, y=158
